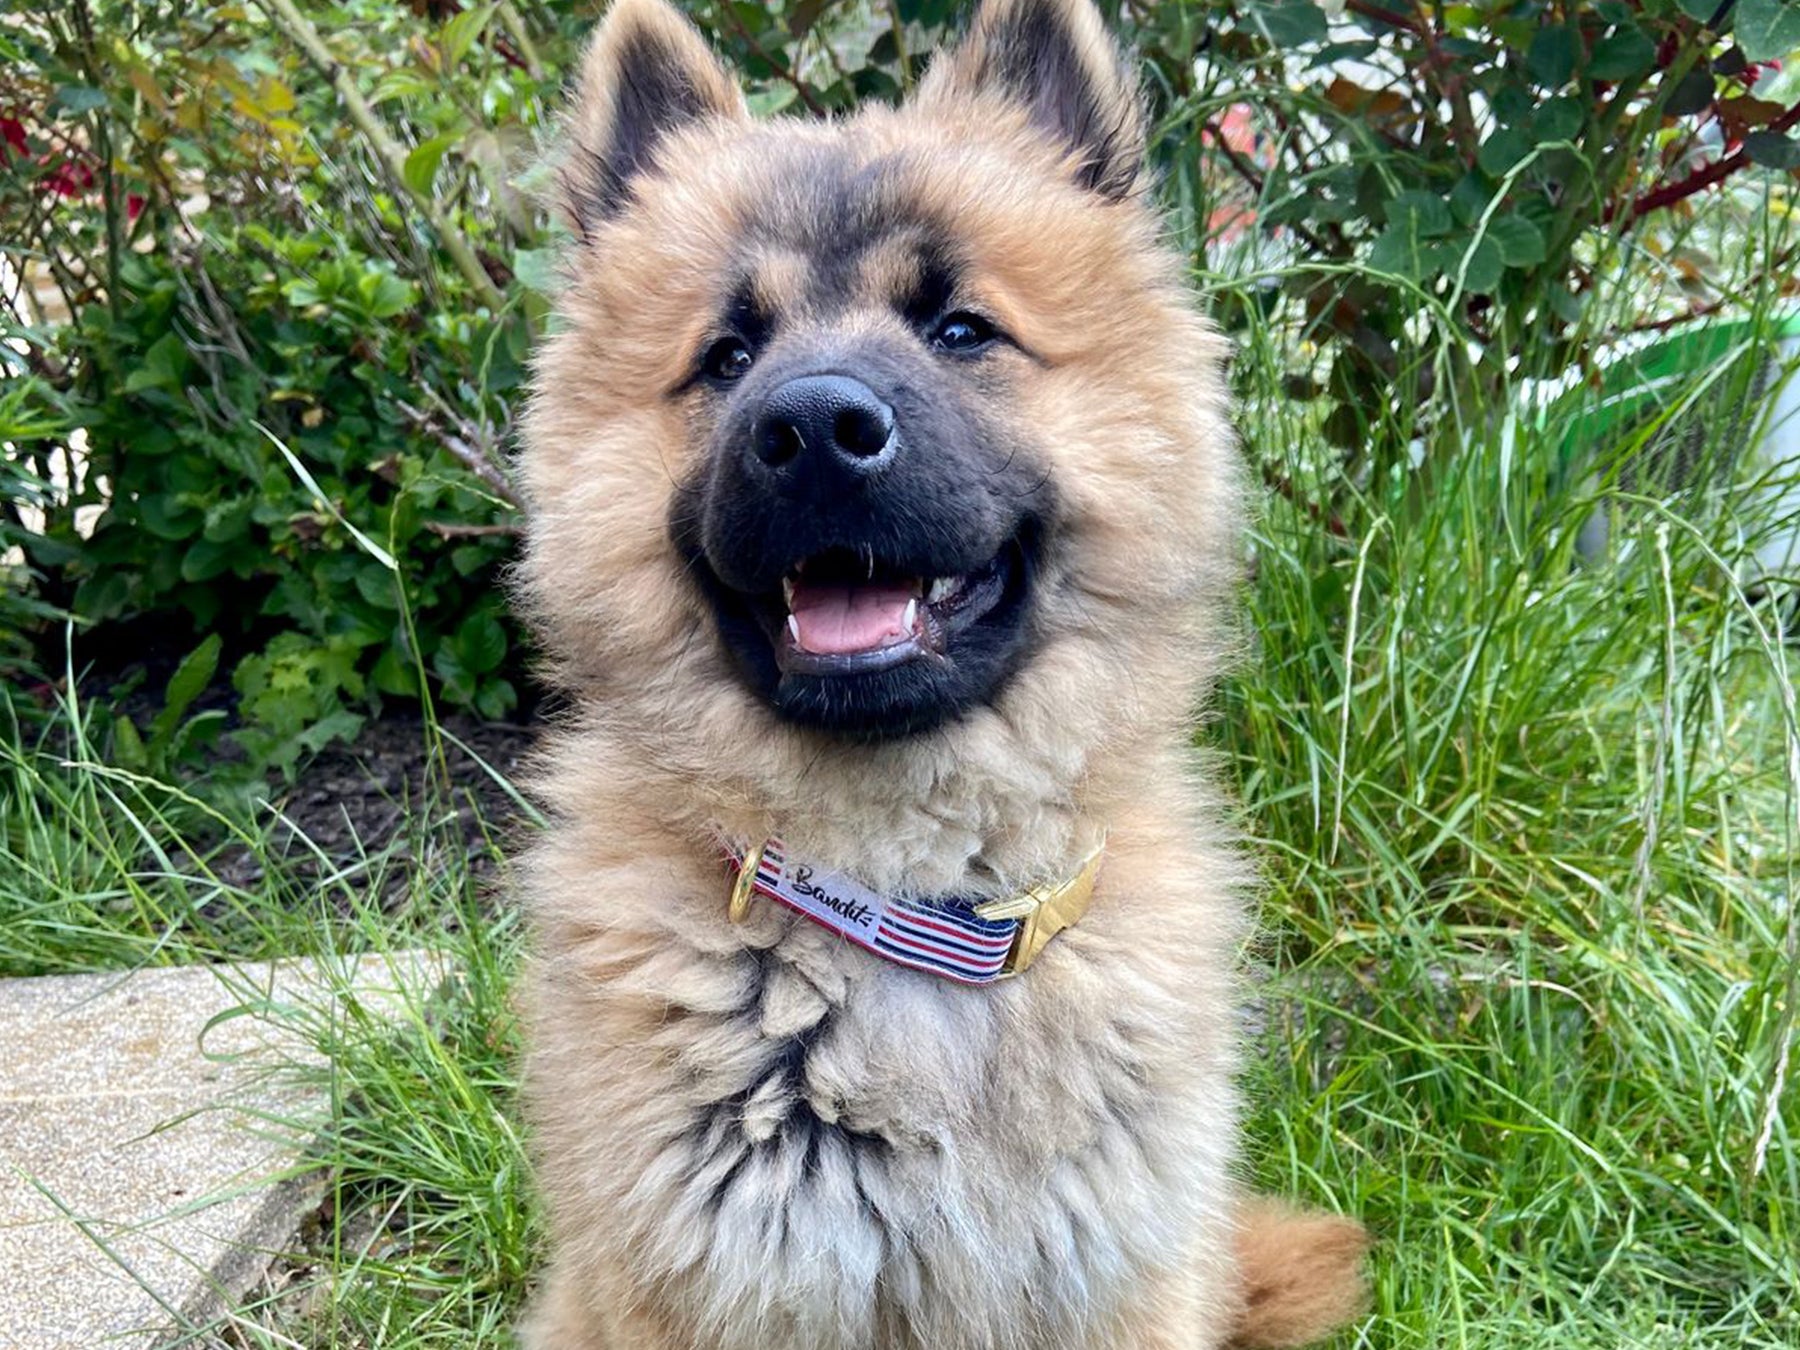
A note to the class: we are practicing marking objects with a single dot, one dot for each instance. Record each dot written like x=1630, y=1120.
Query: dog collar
x=972, y=942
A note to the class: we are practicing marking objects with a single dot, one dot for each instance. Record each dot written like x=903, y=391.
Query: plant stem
x=521, y=36
x=388, y=151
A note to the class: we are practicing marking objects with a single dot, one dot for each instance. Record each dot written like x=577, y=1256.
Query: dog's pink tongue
x=840, y=620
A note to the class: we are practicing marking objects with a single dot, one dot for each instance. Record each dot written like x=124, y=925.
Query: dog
x=884, y=526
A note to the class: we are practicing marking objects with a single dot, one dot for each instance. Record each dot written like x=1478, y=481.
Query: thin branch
x=521, y=37
x=1382, y=15
x=446, y=529
x=388, y=151
x=1248, y=172
x=473, y=458
x=1700, y=179
x=1778, y=267
x=775, y=63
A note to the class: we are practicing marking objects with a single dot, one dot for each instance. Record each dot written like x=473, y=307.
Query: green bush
x=284, y=267
x=1497, y=166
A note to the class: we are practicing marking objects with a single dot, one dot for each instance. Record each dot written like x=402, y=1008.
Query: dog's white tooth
x=787, y=591
x=943, y=588
x=912, y=616
x=794, y=629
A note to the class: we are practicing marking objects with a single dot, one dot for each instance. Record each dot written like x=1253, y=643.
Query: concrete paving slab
x=143, y=1183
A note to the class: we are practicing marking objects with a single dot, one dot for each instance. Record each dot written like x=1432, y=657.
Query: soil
x=349, y=802
x=353, y=801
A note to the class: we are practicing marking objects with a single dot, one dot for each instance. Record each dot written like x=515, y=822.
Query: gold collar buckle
x=1044, y=911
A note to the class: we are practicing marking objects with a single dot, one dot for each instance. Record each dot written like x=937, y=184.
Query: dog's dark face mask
x=868, y=518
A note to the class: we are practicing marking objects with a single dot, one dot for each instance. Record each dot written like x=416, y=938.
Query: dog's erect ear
x=1057, y=59
x=646, y=73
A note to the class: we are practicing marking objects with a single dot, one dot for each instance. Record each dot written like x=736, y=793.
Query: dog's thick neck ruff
x=968, y=941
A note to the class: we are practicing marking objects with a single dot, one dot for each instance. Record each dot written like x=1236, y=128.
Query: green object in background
x=1641, y=385
x=1711, y=401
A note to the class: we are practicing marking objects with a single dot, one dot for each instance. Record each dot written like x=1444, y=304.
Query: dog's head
x=875, y=429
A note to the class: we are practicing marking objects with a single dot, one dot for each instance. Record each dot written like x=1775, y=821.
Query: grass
x=1529, y=959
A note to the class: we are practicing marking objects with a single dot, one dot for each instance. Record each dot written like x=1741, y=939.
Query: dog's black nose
x=820, y=419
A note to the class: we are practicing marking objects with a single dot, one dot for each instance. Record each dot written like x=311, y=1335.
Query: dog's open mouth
x=844, y=615
x=925, y=621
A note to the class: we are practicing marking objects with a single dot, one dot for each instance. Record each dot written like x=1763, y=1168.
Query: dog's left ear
x=1057, y=59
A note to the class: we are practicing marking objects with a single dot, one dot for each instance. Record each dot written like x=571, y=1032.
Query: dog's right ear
x=647, y=72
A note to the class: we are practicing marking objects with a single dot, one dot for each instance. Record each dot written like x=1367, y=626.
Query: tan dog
x=884, y=504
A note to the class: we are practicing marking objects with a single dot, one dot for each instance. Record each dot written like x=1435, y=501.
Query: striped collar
x=971, y=942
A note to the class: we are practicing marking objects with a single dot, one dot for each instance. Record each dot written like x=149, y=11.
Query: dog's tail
x=1301, y=1275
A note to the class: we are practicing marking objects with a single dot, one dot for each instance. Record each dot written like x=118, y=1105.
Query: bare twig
x=447, y=529
x=1703, y=178
x=469, y=445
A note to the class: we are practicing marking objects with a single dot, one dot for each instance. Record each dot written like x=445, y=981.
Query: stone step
x=143, y=1185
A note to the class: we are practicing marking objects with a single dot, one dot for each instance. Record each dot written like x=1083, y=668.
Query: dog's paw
x=1301, y=1275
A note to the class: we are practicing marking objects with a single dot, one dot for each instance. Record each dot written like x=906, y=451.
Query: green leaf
x=1772, y=150
x=192, y=676
x=1558, y=119
x=1505, y=148
x=378, y=586
x=1287, y=23
x=189, y=681
x=196, y=735
x=1623, y=54
x=341, y=725
x=1398, y=251
x=1552, y=56
x=78, y=98
x=229, y=520
x=128, y=746
x=385, y=295
x=1512, y=105
x=1425, y=214
x=479, y=644
x=1702, y=10
x=1520, y=242
x=540, y=269
x=460, y=33
x=497, y=699
x=767, y=102
x=163, y=366
x=1469, y=198
x=403, y=83
x=1694, y=94
x=423, y=160
x=1481, y=267
x=1768, y=30
x=205, y=560
x=165, y=516
x=394, y=674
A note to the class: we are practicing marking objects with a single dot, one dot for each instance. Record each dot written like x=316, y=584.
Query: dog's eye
x=962, y=332
x=727, y=359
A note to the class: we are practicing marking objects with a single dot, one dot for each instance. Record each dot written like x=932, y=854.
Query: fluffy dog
x=884, y=504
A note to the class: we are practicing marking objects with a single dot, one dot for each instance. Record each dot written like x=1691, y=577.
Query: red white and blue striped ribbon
x=944, y=937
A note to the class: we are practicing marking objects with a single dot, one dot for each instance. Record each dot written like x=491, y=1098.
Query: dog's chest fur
x=818, y=1149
